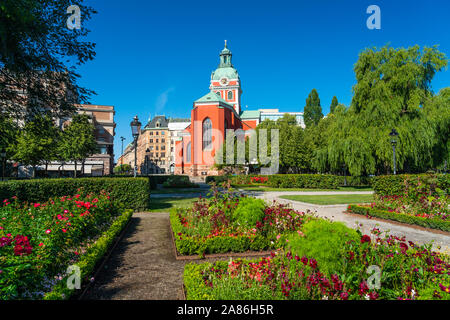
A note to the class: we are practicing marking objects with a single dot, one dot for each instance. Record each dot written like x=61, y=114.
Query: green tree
x=334, y=104
x=39, y=55
x=37, y=142
x=393, y=90
x=313, y=110
x=78, y=141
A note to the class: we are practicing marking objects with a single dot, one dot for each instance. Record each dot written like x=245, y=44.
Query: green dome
x=225, y=72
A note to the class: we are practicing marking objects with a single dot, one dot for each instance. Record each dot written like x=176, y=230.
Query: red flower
x=365, y=238
x=313, y=263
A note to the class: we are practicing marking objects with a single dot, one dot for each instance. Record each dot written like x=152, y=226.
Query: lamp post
x=394, y=135
x=121, y=158
x=3, y=157
x=135, y=130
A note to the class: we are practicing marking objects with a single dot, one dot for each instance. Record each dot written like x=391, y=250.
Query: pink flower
x=48, y=231
x=41, y=244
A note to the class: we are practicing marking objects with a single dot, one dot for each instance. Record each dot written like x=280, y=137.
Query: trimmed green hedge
x=310, y=181
x=313, y=181
x=396, y=184
x=91, y=258
x=400, y=217
x=134, y=193
x=219, y=244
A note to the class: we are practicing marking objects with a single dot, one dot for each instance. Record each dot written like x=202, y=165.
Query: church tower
x=225, y=81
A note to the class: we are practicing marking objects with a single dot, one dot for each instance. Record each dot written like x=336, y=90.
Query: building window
x=207, y=134
x=157, y=140
x=151, y=140
x=163, y=133
x=163, y=155
x=103, y=149
x=163, y=140
x=230, y=95
x=151, y=133
x=188, y=153
x=218, y=93
x=157, y=133
x=163, y=147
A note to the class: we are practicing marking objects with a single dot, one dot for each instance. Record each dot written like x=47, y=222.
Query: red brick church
x=211, y=115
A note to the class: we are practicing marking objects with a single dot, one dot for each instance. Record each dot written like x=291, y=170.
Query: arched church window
x=207, y=134
x=230, y=95
x=188, y=153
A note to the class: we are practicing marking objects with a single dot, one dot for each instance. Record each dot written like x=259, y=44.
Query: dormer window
x=230, y=95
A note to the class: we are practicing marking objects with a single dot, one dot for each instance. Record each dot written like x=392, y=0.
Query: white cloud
x=162, y=100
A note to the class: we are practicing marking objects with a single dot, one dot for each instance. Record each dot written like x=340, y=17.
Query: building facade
x=212, y=115
x=155, y=153
x=99, y=164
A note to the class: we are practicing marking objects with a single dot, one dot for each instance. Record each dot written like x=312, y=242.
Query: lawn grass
x=332, y=199
x=165, y=204
x=266, y=189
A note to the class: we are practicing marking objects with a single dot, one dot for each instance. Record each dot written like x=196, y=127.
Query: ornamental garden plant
x=38, y=241
x=229, y=222
x=419, y=202
x=311, y=266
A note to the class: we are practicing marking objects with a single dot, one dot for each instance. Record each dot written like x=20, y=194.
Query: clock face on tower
x=224, y=81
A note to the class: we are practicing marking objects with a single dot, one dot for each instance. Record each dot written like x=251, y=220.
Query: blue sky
x=156, y=57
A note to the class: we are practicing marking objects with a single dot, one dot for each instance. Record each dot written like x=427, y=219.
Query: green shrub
x=91, y=258
x=313, y=181
x=398, y=184
x=134, y=193
x=249, y=211
x=400, y=217
x=323, y=240
x=179, y=182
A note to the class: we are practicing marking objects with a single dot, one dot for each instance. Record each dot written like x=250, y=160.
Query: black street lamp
x=135, y=131
x=394, y=135
x=3, y=157
x=121, y=162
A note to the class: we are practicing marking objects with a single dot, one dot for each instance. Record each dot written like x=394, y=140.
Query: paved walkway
x=335, y=213
x=143, y=265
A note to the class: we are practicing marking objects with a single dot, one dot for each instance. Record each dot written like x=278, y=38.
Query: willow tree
x=393, y=90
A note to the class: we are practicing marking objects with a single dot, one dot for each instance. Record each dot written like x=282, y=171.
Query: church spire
x=225, y=57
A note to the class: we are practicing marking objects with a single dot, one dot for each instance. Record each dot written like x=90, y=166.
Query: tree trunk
x=75, y=171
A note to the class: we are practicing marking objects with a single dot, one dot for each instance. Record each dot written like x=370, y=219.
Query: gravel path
x=336, y=213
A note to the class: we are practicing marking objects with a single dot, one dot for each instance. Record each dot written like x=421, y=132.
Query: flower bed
x=407, y=271
x=38, y=241
x=230, y=223
x=423, y=220
x=417, y=205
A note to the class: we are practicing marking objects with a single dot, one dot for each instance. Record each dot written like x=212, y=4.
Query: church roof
x=250, y=114
x=211, y=97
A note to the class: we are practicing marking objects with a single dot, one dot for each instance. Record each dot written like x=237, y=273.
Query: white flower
x=325, y=298
x=367, y=297
x=413, y=293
